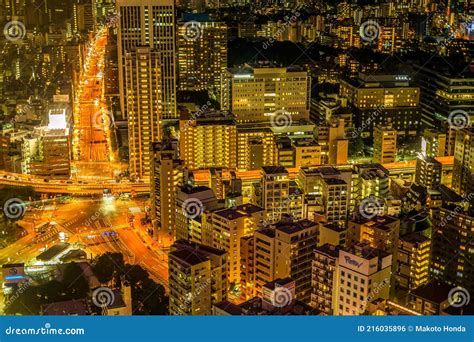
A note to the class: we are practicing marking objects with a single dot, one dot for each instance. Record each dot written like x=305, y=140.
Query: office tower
x=83, y=17
x=463, y=180
x=333, y=234
x=428, y=172
x=281, y=250
x=257, y=268
x=442, y=93
x=306, y=152
x=385, y=145
x=452, y=244
x=274, y=194
x=364, y=277
x=380, y=232
x=166, y=178
x=144, y=107
x=191, y=203
x=228, y=227
x=256, y=147
x=285, y=156
x=388, y=39
x=149, y=23
x=348, y=35
x=334, y=143
x=372, y=180
x=266, y=94
x=383, y=100
x=201, y=57
x=433, y=143
x=54, y=160
x=325, y=280
x=413, y=261
x=208, y=140
x=197, y=278
x=295, y=244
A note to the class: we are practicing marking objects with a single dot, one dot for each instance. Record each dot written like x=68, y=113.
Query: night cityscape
x=237, y=158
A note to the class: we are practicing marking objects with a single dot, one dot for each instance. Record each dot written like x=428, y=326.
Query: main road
x=97, y=226
x=93, y=146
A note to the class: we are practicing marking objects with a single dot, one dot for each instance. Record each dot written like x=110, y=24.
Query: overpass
x=42, y=185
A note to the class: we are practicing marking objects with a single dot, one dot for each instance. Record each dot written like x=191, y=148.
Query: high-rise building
x=463, y=168
x=191, y=203
x=277, y=195
x=428, y=171
x=383, y=100
x=442, y=93
x=208, y=140
x=380, y=232
x=228, y=227
x=197, y=278
x=256, y=147
x=149, y=23
x=281, y=250
x=144, y=107
x=334, y=143
x=143, y=83
x=167, y=176
x=202, y=54
x=453, y=245
x=433, y=143
x=385, y=145
x=266, y=94
x=364, y=276
x=325, y=281
x=413, y=261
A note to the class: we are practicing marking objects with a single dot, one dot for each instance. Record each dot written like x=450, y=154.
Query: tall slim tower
x=149, y=23
x=143, y=83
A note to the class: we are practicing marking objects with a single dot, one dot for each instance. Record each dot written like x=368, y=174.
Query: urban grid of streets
x=95, y=224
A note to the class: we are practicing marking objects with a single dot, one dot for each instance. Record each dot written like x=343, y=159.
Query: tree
x=108, y=267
